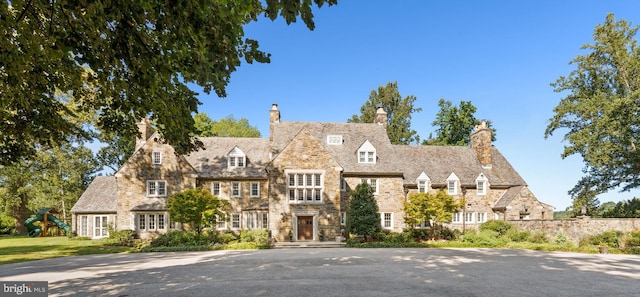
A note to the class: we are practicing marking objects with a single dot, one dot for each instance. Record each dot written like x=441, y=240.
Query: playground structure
x=48, y=220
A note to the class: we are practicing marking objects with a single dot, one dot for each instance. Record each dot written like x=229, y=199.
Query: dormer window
x=424, y=183
x=452, y=184
x=156, y=157
x=481, y=184
x=236, y=158
x=367, y=153
x=334, y=139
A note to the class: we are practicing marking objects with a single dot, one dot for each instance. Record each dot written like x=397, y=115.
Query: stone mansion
x=298, y=180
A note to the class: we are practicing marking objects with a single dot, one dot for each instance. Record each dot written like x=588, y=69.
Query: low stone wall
x=578, y=228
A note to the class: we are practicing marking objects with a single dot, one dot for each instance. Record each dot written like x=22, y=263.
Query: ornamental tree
x=194, y=207
x=362, y=214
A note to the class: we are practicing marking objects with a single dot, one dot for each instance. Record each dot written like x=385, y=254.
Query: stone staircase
x=308, y=244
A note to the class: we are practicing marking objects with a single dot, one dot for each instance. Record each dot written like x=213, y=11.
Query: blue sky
x=500, y=55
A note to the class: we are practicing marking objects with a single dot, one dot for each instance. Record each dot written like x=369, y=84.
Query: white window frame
x=156, y=157
x=100, y=226
x=482, y=217
x=236, y=222
x=468, y=217
x=423, y=186
x=457, y=217
x=152, y=221
x=373, y=183
x=84, y=226
x=236, y=158
x=305, y=186
x=334, y=139
x=255, y=220
x=452, y=184
x=236, y=192
x=367, y=153
x=255, y=193
x=481, y=185
x=386, y=217
x=221, y=222
x=156, y=188
x=216, y=189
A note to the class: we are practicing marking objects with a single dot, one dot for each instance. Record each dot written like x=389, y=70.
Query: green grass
x=20, y=249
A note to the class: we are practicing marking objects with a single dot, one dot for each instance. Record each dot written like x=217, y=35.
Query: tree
x=624, y=209
x=399, y=111
x=601, y=110
x=194, y=207
x=225, y=127
x=362, y=214
x=125, y=60
x=427, y=207
x=116, y=151
x=455, y=124
x=584, y=202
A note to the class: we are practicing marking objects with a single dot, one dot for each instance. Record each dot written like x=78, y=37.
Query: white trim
x=213, y=189
x=383, y=220
x=251, y=194
x=334, y=139
x=481, y=185
x=366, y=153
x=100, y=226
x=423, y=179
x=453, y=183
x=239, y=193
x=156, y=188
x=236, y=158
x=305, y=186
x=156, y=160
x=305, y=213
x=375, y=184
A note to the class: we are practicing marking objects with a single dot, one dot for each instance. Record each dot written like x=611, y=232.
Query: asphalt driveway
x=336, y=272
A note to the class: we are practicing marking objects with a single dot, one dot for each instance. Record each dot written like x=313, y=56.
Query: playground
x=45, y=223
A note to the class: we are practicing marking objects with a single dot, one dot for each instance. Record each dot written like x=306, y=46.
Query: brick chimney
x=481, y=144
x=274, y=117
x=144, y=132
x=381, y=117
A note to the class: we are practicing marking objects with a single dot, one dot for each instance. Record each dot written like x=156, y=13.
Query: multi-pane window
x=334, y=139
x=452, y=188
x=221, y=222
x=255, y=189
x=482, y=217
x=142, y=222
x=152, y=221
x=386, y=220
x=161, y=221
x=468, y=217
x=481, y=188
x=235, y=221
x=422, y=186
x=84, y=226
x=100, y=226
x=457, y=217
x=236, y=158
x=305, y=187
x=156, y=188
x=215, y=189
x=256, y=220
x=372, y=182
x=156, y=157
x=235, y=189
x=367, y=157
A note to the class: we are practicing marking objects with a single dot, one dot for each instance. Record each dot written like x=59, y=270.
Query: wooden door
x=305, y=228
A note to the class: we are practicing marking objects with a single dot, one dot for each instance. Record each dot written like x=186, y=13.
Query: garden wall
x=578, y=228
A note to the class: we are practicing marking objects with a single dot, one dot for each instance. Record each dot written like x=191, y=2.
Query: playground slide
x=35, y=231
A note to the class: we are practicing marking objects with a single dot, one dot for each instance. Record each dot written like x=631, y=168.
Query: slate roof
x=100, y=196
x=212, y=162
x=507, y=197
x=346, y=154
x=438, y=162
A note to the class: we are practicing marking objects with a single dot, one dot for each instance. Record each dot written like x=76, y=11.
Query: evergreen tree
x=362, y=214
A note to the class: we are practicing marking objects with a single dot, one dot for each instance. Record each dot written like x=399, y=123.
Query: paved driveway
x=337, y=272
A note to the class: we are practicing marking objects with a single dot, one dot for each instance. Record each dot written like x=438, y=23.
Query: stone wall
x=578, y=228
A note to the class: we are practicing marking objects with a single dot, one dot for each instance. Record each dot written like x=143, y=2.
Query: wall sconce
x=526, y=208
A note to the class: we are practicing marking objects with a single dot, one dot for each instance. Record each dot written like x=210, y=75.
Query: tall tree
x=141, y=54
x=362, y=214
x=195, y=207
x=601, y=109
x=116, y=151
x=225, y=127
x=399, y=111
x=455, y=124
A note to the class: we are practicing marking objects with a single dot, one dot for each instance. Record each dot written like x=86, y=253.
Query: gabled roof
x=212, y=162
x=100, y=197
x=353, y=136
x=438, y=162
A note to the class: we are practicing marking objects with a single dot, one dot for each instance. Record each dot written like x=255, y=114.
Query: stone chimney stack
x=481, y=144
x=274, y=117
x=145, y=131
x=381, y=117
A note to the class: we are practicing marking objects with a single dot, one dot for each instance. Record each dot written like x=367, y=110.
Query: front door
x=305, y=228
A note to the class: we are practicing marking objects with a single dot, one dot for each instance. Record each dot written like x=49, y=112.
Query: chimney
x=381, y=117
x=481, y=144
x=144, y=132
x=274, y=117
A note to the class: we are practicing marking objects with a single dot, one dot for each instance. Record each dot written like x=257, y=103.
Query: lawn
x=19, y=249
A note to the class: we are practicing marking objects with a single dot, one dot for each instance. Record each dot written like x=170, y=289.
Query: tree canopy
x=194, y=207
x=125, y=61
x=436, y=208
x=362, y=213
x=399, y=111
x=455, y=124
x=601, y=109
x=225, y=127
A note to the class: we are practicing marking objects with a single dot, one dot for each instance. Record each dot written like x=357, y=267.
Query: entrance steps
x=308, y=244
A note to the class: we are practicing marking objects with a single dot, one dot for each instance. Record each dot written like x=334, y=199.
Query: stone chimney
x=274, y=117
x=481, y=144
x=144, y=132
x=381, y=117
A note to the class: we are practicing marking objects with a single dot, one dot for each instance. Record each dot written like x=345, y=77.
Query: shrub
x=122, y=237
x=257, y=236
x=607, y=238
x=180, y=238
x=501, y=227
x=226, y=238
x=561, y=238
x=518, y=236
x=539, y=237
x=485, y=238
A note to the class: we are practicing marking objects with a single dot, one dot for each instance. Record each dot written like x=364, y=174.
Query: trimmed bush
x=122, y=238
x=257, y=236
x=501, y=227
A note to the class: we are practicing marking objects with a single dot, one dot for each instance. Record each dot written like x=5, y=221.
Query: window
x=481, y=185
x=100, y=227
x=156, y=188
x=343, y=218
x=424, y=224
x=215, y=189
x=152, y=221
x=386, y=220
x=482, y=217
x=235, y=189
x=367, y=153
x=221, y=222
x=457, y=217
x=373, y=183
x=161, y=221
x=156, y=157
x=468, y=217
x=343, y=184
x=305, y=187
x=334, y=139
x=236, y=158
x=142, y=222
x=235, y=221
x=84, y=226
x=422, y=186
x=452, y=184
x=256, y=220
x=255, y=189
